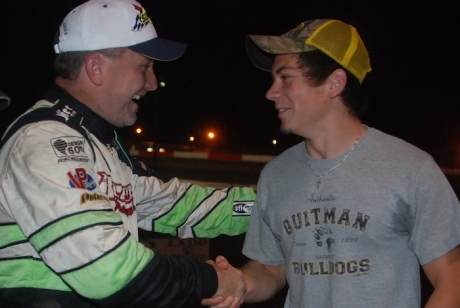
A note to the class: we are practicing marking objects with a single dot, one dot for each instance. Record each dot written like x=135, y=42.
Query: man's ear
x=338, y=80
x=93, y=67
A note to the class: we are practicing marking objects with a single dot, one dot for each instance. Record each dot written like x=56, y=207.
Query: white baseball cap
x=102, y=24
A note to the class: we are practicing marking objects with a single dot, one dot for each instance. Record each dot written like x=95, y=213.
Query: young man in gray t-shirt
x=346, y=217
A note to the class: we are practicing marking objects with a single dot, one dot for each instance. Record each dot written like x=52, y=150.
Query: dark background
x=414, y=84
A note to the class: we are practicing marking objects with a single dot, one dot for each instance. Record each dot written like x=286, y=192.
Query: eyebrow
x=282, y=68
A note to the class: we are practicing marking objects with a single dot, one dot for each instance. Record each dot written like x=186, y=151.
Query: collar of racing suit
x=84, y=115
x=73, y=113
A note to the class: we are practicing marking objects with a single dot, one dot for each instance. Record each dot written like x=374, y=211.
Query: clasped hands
x=232, y=286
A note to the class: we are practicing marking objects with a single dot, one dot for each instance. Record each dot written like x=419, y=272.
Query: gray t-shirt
x=358, y=240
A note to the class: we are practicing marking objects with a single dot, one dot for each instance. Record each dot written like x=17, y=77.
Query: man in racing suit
x=72, y=197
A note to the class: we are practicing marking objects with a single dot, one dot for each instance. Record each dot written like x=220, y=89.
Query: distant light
x=150, y=150
x=161, y=150
x=211, y=135
x=192, y=138
x=138, y=130
x=162, y=84
x=274, y=141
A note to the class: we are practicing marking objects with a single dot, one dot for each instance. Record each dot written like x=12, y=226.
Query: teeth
x=137, y=97
x=281, y=110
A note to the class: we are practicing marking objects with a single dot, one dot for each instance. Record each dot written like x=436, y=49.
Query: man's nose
x=151, y=82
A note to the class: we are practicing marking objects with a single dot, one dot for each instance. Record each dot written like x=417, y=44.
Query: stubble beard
x=131, y=122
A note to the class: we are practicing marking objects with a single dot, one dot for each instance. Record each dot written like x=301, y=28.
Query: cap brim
x=262, y=48
x=160, y=49
x=261, y=59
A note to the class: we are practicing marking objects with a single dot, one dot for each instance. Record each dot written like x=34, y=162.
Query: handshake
x=255, y=282
x=232, y=285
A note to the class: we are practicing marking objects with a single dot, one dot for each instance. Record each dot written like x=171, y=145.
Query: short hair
x=68, y=64
x=317, y=66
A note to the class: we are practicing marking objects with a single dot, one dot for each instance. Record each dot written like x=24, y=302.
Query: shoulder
x=42, y=111
x=382, y=152
x=385, y=144
x=46, y=128
x=48, y=141
x=288, y=159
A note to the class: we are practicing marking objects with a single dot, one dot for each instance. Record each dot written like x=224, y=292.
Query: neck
x=333, y=142
x=81, y=92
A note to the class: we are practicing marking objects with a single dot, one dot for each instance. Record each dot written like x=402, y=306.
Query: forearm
x=448, y=297
x=186, y=210
x=167, y=281
x=263, y=282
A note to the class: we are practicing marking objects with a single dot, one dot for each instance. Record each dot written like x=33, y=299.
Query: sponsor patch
x=87, y=197
x=69, y=148
x=120, y=196
x=66, y=113
x=81, y=179
x=241, y=208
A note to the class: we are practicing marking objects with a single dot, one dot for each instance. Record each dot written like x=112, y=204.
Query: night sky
x=414, y=85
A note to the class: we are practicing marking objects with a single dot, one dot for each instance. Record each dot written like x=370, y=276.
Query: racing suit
x=71, y=201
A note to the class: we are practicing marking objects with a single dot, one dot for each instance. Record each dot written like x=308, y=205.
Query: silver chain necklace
x=320, y=176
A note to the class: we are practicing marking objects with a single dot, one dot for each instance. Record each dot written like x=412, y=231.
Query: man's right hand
x=231, y=289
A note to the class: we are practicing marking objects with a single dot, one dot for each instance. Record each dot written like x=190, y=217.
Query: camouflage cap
x=338, y=40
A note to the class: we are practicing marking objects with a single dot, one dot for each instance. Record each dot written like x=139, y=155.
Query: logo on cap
x=142, y=19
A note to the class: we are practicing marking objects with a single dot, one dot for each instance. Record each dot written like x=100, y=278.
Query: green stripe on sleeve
x=29, y=273
x=206, y=212
x=192, y=199
x=69, y=224
x=224, y=219
x=111, y=273
x=11, y=234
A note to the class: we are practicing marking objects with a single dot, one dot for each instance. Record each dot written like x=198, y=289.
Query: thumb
x=222, y=262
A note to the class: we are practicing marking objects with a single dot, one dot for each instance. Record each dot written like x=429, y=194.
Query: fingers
x=211, y=262
x=236, y=302
x=231, y=285
x=213, y=301
x=231, y=282
x=222, y=262
x=229, y=302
